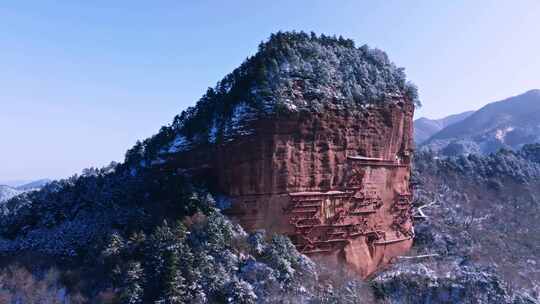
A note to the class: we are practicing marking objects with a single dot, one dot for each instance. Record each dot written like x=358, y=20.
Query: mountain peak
x=425, y=127
x=291, y=72
x=533, y=92
x=509, y=123
x=325, y=67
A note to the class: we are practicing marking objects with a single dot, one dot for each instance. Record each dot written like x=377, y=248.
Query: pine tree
x=170, y=264
x=136, y=243
x=240, y=292
x=175, y=287
x=132, y=292
x=115, y=246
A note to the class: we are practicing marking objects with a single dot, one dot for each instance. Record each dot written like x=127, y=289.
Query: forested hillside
x=141, y=231
x=477, y=227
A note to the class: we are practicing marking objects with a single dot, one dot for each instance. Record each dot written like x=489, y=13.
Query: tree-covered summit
x=330, y=69
x=295, y=70
x=291, y=71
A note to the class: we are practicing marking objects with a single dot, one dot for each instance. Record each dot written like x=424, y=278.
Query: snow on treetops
x=290, y=72
x=294, y=71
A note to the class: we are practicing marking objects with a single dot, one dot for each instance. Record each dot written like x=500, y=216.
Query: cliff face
x=336, y=182
x=311, y=137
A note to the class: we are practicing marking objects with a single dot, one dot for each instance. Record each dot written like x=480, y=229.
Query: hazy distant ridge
x=424, y=127
x=7, y=192
x=509, y=123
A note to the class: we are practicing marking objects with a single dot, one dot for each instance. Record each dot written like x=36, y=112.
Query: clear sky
x=82, y=80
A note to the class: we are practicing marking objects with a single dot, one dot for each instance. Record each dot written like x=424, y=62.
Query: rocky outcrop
x=336, y=182
x=312, y=138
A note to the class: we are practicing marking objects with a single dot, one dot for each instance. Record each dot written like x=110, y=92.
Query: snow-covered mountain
x=424, y=127
x=509, y=123
x=33, y=185
x=7, y=192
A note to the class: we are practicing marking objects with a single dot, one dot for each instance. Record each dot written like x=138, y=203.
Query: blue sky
x=81, y=81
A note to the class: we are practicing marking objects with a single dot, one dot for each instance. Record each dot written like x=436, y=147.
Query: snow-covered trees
x=520, y=166
x=119, y=217
x=240, y=292
x=482, y=214
x=210, y=261
x=132, y=291
x=291, y=72
x=174, y=285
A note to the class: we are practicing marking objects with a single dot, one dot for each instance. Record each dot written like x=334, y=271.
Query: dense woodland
x=478, y=226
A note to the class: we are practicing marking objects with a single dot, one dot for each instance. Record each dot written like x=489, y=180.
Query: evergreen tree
x=132, y=292
x=115, y=246
x=174, y=284
x=240, y=292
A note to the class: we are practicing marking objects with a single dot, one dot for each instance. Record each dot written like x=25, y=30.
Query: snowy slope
x=424, y=127
x=509, y=124
x=7, y=192
x=34, y=185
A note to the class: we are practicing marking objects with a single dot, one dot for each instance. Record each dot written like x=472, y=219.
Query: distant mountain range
x=509, y=123
x=34, y=185
x=7, y=192
x=424, y=127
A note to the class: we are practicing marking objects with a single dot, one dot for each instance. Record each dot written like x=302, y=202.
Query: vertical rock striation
x=336, y=182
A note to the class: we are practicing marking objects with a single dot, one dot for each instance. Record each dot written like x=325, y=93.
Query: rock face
x=312, y=138
x=337, y=183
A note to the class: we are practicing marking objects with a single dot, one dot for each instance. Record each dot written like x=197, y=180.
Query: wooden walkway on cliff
x=314, y=233
x=376, y=161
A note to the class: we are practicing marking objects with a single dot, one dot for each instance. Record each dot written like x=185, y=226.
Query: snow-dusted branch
x=420, y=213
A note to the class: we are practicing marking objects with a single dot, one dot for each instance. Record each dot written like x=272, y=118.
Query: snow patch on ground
x=500, y=134
x=238, y=123
x=7, y=192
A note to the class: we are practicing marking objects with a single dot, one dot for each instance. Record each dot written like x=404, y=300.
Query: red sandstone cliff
x=336, y=182
x=312, y=138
